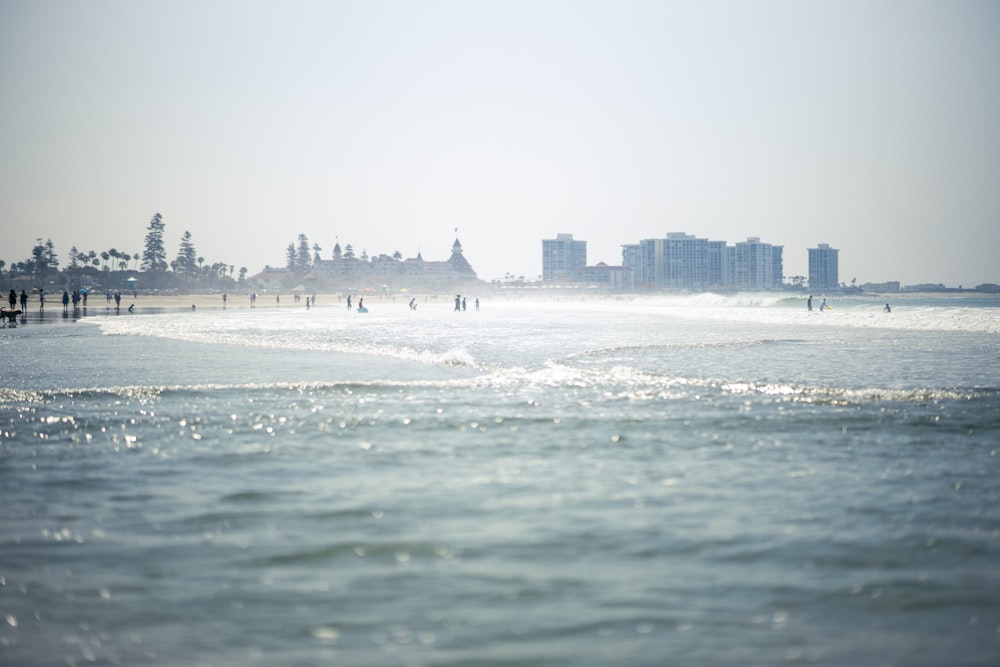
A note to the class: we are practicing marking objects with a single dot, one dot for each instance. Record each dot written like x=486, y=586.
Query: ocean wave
x=620, y=350
x=610, y=383
x=273, y=333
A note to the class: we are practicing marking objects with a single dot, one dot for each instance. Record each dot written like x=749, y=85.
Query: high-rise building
x=632, y=260
x=677, y=261
x=755, y=266
x=824, y=272
x=717, y=264
x=563, y=258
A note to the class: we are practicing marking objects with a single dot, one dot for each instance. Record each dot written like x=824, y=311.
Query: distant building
x=615, y=278
x=717, y=264
x=632, y=260
x=824, y=272
x=346, y=271
x=754, y=265
x=683, y=261
x=889, y=287
x=677, y=261
x=563, y=258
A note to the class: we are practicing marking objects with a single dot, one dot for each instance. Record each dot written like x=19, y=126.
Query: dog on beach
x=9, y=316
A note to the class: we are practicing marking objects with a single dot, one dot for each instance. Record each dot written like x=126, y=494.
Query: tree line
x=111, y=268
x=300, y=257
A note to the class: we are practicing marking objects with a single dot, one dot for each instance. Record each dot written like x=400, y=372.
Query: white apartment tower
x=824, y=272
x=563, y=258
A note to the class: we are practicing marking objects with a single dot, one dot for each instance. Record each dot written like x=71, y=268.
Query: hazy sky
x=870, y=125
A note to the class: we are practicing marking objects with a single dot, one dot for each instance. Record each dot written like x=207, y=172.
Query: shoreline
x=150, y=304
x=147, y=304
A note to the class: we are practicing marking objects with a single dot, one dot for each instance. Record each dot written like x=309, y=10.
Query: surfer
x=887, y=309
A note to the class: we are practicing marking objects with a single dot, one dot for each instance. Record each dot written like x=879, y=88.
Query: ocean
x=677, y=480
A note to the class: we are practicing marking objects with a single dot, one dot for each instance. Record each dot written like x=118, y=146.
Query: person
x=809, y=303
x=65, y=300
x=131, y=308
x=463, y=304
x=118, y=301
x=225, y=298
x=41, y=298
x=822, y=305
x=477, y=303
x=348, y=302
x=887, y=308
x=24, y=300
x=361, y=303
x=83, y=295
x=12, y=299
x=458, y=302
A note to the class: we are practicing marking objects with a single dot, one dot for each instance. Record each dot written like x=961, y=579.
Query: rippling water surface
x=691, y=481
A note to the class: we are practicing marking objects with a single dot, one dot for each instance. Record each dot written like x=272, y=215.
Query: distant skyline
x=386, y=125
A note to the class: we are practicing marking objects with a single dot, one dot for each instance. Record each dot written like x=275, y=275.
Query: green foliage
x=154, y=257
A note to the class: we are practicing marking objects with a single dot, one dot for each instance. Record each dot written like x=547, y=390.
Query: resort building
x=346, y=271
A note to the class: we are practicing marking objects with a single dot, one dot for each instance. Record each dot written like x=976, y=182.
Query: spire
x=457, y=261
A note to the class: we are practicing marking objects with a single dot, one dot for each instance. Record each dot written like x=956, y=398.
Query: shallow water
x=698, y=480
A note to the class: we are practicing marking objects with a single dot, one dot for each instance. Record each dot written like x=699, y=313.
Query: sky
x=870, y=125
